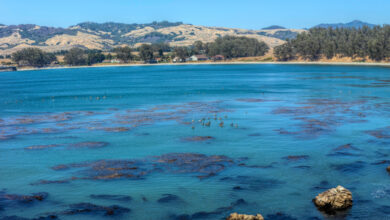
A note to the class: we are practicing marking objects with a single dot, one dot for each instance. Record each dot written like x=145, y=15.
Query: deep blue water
x=193, y=141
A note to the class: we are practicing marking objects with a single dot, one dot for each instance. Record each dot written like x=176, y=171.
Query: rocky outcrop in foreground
x=236, y=216
x=335, y=199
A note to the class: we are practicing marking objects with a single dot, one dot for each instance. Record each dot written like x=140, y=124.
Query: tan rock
x=335, y=199
x=236, y=216
x=388, y=169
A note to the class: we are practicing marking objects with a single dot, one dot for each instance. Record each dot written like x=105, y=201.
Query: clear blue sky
x=253, y=14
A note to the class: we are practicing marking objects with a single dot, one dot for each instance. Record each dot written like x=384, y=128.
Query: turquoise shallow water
x=155, y=134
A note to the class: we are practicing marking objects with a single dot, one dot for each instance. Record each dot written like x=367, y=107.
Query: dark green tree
x=76, y=57
x=33, y=57
x=146, y=52
x=124, y=54
x=109, y=56
x=95, y=56
x=181, y=52
x=373, y=43
x=198, y=48
x=232, y=47
x=284, y=52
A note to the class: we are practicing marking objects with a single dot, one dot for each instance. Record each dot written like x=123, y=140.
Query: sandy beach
x=214, y=63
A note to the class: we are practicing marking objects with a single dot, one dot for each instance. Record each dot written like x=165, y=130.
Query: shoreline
x=212, y=63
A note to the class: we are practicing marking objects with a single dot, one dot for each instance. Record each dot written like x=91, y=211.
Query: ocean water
x=194, y=142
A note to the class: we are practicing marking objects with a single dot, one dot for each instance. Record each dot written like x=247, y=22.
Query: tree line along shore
x=317, y=44
x=227, y=47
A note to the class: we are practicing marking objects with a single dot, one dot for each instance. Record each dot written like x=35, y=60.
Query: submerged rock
x=388, y=169
x=236, y=216
x=335, y=199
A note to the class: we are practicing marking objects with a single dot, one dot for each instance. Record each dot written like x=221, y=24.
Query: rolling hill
x=105, y=36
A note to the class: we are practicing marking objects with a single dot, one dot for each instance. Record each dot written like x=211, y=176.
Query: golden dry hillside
x=108, y=35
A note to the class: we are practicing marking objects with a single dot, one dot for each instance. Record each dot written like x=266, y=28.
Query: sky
x=250, y=14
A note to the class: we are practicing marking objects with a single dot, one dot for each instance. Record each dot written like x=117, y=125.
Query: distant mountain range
x=273, y=27
x=352, y=24
x=105, y=36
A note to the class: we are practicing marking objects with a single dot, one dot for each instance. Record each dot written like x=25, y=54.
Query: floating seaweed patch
x=186, y=163
x=286, y=132
x=345, y=150
x=349, y=167
x=40, y=147
x=170, y=198
x=89, y=208
x=382, y=162
x=117, y=129
x=304, y=167
x=41, y=118
x=46, y=182
x=346, y=147
x=295, y=158
x=117, y=121
x=250, y=100
x=60, y=167
x=382, y=133
x=120, y=198
x=271, y=165
x=371, y=85
x=253, y=183
x=92, y=145
x=321, y=116
x=254, y=135
x=6, y=137
x=14, y=217
x=4, y=197
x=198, y=138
